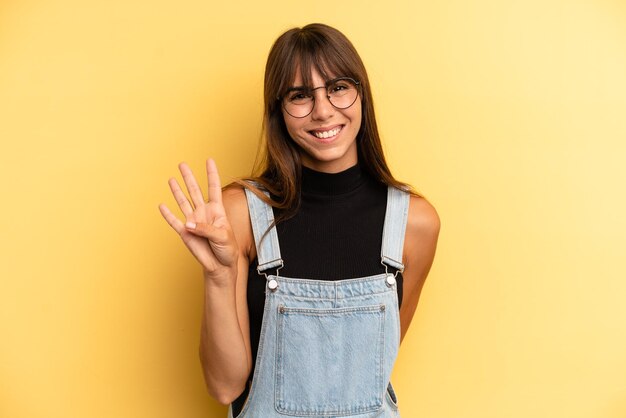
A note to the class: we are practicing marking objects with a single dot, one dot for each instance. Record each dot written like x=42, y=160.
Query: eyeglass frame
x=357, y=84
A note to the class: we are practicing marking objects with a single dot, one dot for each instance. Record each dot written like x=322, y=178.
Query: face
x=327, y=136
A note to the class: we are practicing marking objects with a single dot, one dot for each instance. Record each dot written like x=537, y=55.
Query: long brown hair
x=278, y=166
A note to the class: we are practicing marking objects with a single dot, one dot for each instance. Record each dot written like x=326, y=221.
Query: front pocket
x=391, y=394
x=330, y=361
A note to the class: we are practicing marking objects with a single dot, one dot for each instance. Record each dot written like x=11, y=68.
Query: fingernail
x=190, y=225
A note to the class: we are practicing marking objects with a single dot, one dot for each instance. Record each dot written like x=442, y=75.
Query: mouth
x=326, y=133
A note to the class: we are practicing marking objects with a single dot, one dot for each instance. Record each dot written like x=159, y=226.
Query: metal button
x=382, y=308
x=272, y=284
x=391, y=280
x=281, y=309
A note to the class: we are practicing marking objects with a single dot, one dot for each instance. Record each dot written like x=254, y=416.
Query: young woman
x=312, y=269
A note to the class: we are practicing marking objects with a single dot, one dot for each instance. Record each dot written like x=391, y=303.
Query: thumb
x=212, y=233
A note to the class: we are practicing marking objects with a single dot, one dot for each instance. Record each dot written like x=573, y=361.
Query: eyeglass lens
x=341, y=93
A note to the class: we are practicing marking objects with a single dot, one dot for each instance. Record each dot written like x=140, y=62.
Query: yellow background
x=510, y=116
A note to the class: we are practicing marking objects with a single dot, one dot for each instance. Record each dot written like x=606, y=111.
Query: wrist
x=222, y=279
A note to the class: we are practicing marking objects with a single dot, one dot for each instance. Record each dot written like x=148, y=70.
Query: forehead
x=311, y=74
x=314, y=79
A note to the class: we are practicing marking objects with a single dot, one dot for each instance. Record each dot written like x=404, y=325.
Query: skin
x=330, y=155
x=219, y=235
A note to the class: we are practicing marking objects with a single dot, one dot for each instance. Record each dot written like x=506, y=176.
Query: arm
x=222, y=249
x=420, y=243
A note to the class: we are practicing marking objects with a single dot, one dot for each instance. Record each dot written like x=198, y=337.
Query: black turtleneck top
x=336, y=234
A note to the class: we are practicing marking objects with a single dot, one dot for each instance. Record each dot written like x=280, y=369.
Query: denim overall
x=327, y=348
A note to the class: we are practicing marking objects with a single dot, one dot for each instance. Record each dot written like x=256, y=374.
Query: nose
x=322, y=108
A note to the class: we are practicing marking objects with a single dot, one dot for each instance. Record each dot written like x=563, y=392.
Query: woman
x=312, y=269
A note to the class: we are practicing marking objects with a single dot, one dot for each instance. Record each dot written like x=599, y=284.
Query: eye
x=340, y=87
x=298, y=96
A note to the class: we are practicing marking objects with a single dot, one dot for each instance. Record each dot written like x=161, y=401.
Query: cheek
x=289, y=125
x=294, y=128
x=357, y=115
x=357, y=109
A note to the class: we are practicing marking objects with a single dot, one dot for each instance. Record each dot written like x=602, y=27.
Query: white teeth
x=327, y=134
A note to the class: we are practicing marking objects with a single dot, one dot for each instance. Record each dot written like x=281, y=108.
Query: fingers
x=180, y=197
x=212, y=233
x=192, y=185
x=215, y=185
x=201, y=229
x=172, y=220
x=189, y=208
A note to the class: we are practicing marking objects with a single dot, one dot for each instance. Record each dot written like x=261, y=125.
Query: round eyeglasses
x=341, y=93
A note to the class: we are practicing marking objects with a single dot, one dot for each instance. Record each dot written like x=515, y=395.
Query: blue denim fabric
x=327, y=348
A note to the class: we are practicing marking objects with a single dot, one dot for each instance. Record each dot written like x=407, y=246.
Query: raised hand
x=206, y=230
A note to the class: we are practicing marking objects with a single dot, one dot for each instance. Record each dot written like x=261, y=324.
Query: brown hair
x=278, y=167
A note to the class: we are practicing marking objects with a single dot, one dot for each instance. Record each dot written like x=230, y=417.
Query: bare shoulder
x=234, y=197
x=420, y=244
x=423, y=220
x=236, y=207
x=422, y=232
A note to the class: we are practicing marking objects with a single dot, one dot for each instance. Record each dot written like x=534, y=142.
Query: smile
x=327, y=134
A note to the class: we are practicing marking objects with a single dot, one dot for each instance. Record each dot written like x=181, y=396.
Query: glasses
x=341, y=93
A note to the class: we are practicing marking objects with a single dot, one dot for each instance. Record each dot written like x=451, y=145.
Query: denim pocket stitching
x=376, y=397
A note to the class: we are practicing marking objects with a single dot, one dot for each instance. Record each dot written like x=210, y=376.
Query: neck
x=323, y=183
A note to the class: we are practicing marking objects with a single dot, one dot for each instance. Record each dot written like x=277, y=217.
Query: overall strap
x=395, y=225
x=265, y=236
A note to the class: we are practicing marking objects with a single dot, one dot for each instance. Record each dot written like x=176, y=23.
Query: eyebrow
x=296, y=88
x=304, y=88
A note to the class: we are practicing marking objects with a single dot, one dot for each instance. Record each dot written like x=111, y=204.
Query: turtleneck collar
x=331, y=184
